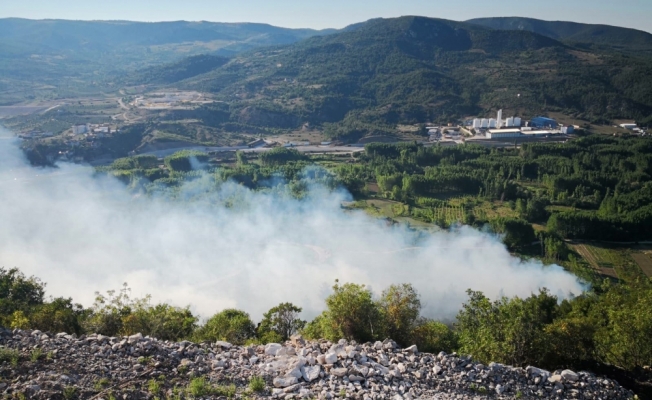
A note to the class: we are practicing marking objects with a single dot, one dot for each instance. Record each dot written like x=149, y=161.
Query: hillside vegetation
x=623, y=39
x=43, y=59
x=415, y=69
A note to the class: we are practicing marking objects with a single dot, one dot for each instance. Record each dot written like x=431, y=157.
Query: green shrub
x=18, y=293
x=257, y=384
x=10, y=355
x=119, y=314
x=233, y=326
x=434, y=336
x=280, y=322
x=182, y=161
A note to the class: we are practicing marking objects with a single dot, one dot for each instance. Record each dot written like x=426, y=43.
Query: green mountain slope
x=174, y=72
x=603, y=35
x=55, y=58
x=414, y=69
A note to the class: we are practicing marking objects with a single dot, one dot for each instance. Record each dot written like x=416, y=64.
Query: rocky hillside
x=37, y=365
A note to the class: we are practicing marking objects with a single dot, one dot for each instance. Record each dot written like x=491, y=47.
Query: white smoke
x=82, y=234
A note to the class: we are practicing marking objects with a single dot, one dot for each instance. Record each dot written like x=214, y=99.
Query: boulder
x=283, y=382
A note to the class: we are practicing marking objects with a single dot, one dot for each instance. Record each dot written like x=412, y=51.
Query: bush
x=184, y=161
x=352, y=314
x=400, y=307
x=118, y=314
x=18, y=293
x=282, y=320
x=280, y=156
x=434, y=336
x=59, y=315
x=231, y=325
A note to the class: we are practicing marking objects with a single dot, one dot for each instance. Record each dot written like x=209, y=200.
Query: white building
x=629, y=126
x=503, y=133
x=477, y=123
x=492, y=123
x=509, y=122
x=499, y=118
x=484, y=123
x=79, y=129
x=517, y=121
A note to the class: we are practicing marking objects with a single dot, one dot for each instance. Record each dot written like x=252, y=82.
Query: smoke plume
x=81, y=234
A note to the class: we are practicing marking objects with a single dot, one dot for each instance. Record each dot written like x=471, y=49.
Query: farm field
x=615, y=261
x=644, y=261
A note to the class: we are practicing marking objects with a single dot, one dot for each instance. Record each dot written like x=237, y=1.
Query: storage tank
x=517, y=121
x=510, y=121
x=484, y=123
x=492, y=123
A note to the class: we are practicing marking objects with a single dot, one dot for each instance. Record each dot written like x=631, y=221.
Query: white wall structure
x=79, y=129
x=499, y=118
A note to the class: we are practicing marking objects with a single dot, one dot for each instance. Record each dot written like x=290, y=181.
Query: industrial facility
x=512, y=127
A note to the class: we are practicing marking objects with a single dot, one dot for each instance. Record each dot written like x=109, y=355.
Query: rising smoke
x=81, y=234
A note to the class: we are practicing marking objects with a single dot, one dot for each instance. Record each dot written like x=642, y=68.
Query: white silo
x=492, y=123
x=517, y=121
x=477, y=123
x=509, y=122
x=499, y=118
x=484, y=123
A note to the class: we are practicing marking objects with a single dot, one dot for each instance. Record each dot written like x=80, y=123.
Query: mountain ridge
x=595, y=34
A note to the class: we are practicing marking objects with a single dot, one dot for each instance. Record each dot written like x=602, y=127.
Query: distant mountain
x=415, y=69
x=37, y=57
x=603, y=35
x=99, y=37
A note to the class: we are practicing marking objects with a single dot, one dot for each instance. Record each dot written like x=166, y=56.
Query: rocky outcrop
x=45, y=366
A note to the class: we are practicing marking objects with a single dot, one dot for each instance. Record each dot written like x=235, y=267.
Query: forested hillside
x=623, y=39
x=42, y=59
x=415, y=69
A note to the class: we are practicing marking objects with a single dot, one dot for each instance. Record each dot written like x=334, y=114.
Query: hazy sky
x=332, y=13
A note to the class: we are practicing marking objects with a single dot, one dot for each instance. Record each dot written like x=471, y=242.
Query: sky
x=331, y=13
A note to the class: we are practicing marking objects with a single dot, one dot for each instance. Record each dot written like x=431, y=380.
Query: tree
x=18, y=293
x=59, y=315
x=351, y=314
x=400, y=305
x=507, y=330
x=231, y=325
x=283, y=320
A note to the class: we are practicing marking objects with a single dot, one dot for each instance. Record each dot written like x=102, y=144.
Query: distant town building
x=79, y=129
x=630, y=126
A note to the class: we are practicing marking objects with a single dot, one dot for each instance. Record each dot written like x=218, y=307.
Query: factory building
x=79, y=129
x=503, y=133
x=543, y=122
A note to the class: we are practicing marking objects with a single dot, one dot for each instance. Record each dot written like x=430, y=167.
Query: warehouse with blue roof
x=543, y=122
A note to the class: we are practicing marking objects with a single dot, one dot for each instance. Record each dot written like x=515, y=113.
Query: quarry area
x=39, y=365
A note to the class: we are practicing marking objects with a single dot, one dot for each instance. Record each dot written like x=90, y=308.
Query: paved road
x=246, y=149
